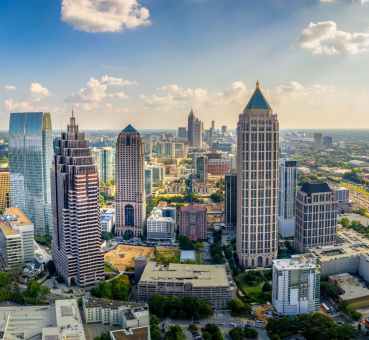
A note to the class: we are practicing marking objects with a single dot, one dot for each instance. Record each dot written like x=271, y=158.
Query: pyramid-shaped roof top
x=130, y=129
x=257, y=100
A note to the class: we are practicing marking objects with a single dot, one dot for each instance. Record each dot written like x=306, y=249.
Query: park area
x=122, y=257
x=165, y=255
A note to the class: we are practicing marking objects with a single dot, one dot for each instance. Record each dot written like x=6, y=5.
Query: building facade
x=316, y=216
x=75, y=197
x=192, y=222
x=4, y=189
x=11, y=248
x=287, y=197
x=130, y=183
x=160, y=227
x=202, y=169
x=30, y=158
x=195, y=130
x=257, y=182
x=207, y=282
x=296, y=285
x=230, y=201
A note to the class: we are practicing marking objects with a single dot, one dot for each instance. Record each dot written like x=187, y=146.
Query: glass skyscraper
x=30, y=157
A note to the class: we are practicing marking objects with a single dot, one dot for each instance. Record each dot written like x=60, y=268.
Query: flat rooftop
x=352, y=286
x=197, y=274
x=68, y=319
x=141, y=333
x=20, y=218
x=296, y=262
x=112, y=304
x=6, y=229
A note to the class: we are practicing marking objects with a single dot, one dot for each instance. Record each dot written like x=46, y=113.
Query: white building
x=159, y=227
x=296, y=285
x=116, y=313
x=107, y=220
x=287, y=197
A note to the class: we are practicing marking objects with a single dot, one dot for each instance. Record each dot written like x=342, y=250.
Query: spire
x=257, y=100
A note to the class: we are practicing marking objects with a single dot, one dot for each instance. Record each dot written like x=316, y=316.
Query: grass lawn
x=108, y=268
x=253, y=289
x=167, y=255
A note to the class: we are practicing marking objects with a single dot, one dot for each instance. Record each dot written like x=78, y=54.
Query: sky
x=148, y=62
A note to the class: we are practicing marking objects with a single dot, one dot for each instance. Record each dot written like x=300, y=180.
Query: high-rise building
x=148, y=181
x=317, y=139
x=327, y=141
x=192, y=222
x=296, y=285
x=159, y=227
x=182, y=132
x=257, y=178
x=316, y=216
x=30, y=157
x=230, y=206
x=202, y=169
x=75, y=199
x=4, y=189
x=287, y=197
x=194, y=131
x=130, y=183
x=104, y=160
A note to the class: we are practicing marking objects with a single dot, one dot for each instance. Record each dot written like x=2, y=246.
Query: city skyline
x=133, y=67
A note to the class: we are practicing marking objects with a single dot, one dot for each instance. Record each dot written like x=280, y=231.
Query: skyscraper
x=104, y=160
x=75, y=198
x=257, y=179
x=30, y=157
x=194, y=131
x=316, y=216
x=230, y=206
x=287, y=197
x=130, y=183
x=202, y=169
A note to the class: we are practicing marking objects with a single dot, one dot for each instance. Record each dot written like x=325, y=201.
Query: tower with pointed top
x=257, y=177
x=75, y=201
x=130, y=183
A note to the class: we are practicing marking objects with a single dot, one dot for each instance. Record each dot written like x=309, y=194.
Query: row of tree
x=116, y=289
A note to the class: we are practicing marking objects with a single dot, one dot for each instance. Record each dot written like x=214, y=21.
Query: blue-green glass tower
x=30, y=159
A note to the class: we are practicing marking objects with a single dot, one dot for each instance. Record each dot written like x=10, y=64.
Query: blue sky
x=148, y=61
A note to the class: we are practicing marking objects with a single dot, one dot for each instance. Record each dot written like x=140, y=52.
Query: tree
x=213, y=331
x=236, y=333
x=154, y=328
x=185, y=243
x=35, y=293
x=107, y=236
x=345, y=222
x=174, y=333
x=217, y=197
x=250, y=333
x=239, y=308
x=266, y=287
x=116, y=289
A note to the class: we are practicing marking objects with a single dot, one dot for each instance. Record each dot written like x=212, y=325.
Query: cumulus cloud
x=97, y=90
x=104, y=15
x=10, y=88
x=11, y=105
x=324, y=38
x=38, y=91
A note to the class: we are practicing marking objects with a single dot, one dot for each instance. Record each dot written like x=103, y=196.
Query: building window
x=129, y=215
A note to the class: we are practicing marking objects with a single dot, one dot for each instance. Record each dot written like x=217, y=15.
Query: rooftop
x=196, y=274
x=6, y=229
x=130, y=129
x=257, y=101
x=352, y=286
x=140, y=333
x=17, y=216
x=193, y=208
x=112, y=304
x=296, y=262
x=314, y=188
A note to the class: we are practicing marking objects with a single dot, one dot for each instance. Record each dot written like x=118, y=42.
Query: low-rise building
x=296, y=285
x=139, y=333
x=192, y=222
x=160, y=228
x=115, y=313
x=207, y=282
x=107, y=220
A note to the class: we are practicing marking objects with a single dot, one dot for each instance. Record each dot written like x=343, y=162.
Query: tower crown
x=257, y=100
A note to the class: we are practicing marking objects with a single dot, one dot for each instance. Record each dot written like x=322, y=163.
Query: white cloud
x=104, y=15
x=362, y=2
x=38, y=91
x=324, y=38
x=11, y=105
x=97, y=90
x=10, y=88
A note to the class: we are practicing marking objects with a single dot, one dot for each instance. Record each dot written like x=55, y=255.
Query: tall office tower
x=287, y=197
x=257, y=181
x=182, y=132
x=107, y=164
x=296, y=285
x=318, y=139
x=230, y=208
x=194, y=131
x=130, y=183
x=202, y=169
x=4, y=189
x=316, y=216
x=75, y=199
x=148, y=181
x=30, y=158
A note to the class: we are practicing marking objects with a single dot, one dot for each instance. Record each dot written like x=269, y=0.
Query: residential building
x=344, y=204
x=257, y=182
x=115, y=313
x=130, y=183
x=316, y=216
x=159, y=227
x=75, y=197
x=219, y=166
x=296, y=285
x=107, y=220
x=30, y=158
x=192, y=222
x=230, y=206
x=202, y=169
x=207, y=282
x=4, y=189
x=22, y=225
x=287, y=197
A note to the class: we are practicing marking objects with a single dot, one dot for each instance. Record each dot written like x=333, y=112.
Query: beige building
x=257, y=181
x=4, y=189
x=11, y=250
x=207, y=282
